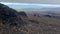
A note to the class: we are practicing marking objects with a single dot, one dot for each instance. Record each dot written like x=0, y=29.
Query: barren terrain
x=35, y=25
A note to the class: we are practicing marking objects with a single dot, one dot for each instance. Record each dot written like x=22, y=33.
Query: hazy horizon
x=28, y=5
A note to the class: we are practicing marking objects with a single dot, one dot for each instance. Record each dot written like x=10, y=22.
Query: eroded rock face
x=9, y=16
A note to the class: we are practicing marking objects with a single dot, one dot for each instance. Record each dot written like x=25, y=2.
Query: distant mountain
x=51, y=11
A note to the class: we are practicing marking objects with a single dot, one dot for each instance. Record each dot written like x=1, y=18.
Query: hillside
x=35, y=25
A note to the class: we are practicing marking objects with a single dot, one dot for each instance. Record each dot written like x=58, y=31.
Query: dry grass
x=36, y=25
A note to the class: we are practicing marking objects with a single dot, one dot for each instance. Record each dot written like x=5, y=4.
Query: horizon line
x=29, y=5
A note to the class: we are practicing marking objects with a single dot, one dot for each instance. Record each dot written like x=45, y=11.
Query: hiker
x=35, y=14
x=38, y=14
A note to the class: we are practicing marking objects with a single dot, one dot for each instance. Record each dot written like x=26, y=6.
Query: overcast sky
x=34, y=1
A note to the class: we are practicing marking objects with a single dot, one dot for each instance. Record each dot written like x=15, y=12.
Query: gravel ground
x=35, y=25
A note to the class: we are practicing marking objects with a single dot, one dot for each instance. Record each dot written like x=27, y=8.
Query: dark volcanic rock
x=9, y=16
x=47, y=15
x=22, y=13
